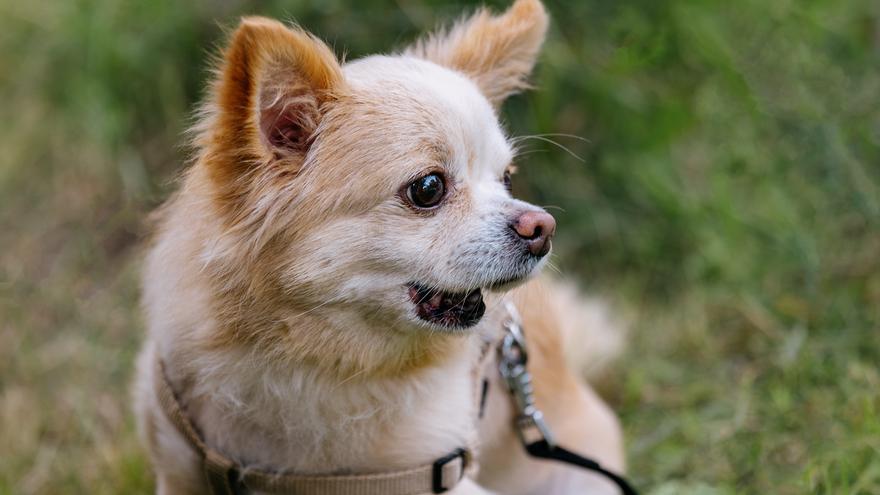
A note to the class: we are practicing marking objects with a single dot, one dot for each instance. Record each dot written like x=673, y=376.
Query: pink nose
x=535, y=228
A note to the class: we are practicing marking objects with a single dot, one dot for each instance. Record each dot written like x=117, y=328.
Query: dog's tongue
x=438, y=299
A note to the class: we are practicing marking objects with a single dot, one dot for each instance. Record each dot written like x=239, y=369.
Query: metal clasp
x=513, y=357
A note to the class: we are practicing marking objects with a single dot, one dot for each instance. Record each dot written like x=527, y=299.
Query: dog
x=321, y=290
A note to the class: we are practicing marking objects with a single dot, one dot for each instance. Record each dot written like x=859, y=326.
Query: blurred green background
x=728, y=200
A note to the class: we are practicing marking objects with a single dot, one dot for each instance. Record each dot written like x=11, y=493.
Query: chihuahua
x=324, y=284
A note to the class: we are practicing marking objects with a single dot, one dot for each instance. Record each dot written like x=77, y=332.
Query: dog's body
x=313, y=290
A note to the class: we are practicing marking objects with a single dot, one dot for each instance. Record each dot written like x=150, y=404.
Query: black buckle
x=437, y=470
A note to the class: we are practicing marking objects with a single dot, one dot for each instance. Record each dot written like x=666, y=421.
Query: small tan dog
x=315, y=290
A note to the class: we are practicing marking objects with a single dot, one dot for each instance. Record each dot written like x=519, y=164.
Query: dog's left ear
x=497, y=52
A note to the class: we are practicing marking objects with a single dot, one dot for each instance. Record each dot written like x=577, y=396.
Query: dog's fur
x=275, y=290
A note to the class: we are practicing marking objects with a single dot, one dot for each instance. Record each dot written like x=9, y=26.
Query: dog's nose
x=535, y=228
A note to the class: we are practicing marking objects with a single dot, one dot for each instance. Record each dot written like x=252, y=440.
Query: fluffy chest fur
x=301, y=421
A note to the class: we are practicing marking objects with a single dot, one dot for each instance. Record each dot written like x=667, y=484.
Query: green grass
x=729, y=199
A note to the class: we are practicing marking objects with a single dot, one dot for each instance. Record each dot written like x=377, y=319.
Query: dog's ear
x=497, y=52
x=269, y=96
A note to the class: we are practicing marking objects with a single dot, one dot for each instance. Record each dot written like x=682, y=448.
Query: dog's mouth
x=447, y=309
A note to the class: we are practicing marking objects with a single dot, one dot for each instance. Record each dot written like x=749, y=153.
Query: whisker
x=554, y=143
x=553, y=207
x=553, y=267
x=551, y=134
x=529, y=152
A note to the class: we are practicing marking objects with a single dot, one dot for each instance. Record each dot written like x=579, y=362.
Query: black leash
x=544, y=450
x=533, y=431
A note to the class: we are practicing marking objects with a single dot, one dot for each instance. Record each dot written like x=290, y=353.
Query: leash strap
x=225, y=477
x=544, y=450
x=534, y=433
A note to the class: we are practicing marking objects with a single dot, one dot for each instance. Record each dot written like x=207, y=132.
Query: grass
x=729, y=199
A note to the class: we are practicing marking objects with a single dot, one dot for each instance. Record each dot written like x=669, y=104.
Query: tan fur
x=497, y=52
x=275, y=290
x=264, y=58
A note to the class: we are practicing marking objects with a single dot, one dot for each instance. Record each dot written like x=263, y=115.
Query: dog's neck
x=298, y=417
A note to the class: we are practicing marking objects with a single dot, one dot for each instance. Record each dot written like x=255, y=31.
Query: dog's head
x=382, y=186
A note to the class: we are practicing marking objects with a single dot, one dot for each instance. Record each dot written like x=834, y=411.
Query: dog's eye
x=506, y=180
x=427, y=191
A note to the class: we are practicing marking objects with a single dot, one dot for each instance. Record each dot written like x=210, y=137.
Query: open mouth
x=448, y=309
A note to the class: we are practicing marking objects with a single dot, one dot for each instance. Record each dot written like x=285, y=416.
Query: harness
x=226, y=477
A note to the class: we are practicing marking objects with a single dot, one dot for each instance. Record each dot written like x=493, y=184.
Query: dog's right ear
x=268, y=99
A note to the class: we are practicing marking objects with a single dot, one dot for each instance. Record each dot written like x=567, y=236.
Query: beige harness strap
x=225, y=477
